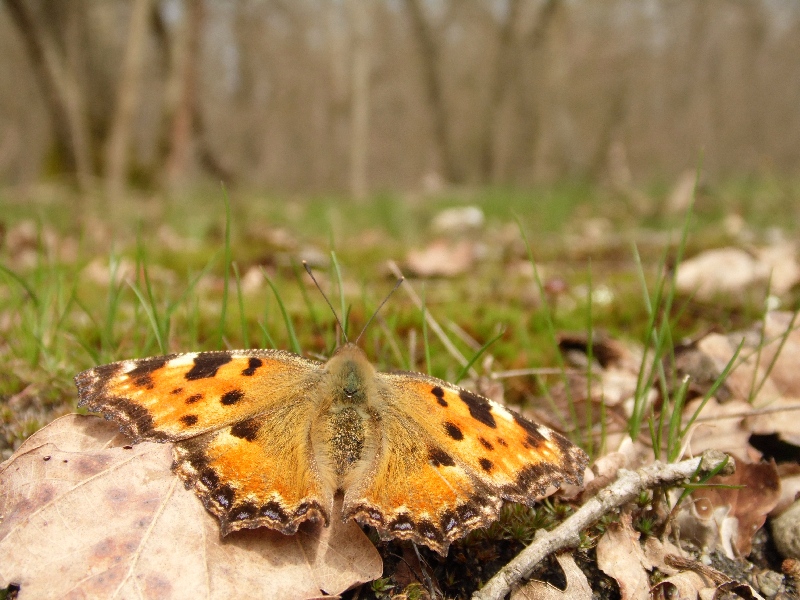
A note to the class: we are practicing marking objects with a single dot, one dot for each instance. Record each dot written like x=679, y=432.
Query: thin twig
x=628, y=486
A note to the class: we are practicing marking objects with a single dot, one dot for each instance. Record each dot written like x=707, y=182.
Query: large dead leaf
x=732, y=515
x=620, y=556
x=84, y=516
x=577, y=585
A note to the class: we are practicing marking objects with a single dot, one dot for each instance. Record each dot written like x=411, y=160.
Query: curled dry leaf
x=732, y=515
x=685, y=585
x=83, y=516
x=577, y=585
x=620, y=556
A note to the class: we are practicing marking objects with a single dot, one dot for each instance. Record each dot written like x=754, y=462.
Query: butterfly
x=268, y=438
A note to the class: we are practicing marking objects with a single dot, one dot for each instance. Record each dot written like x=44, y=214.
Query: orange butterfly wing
x=454, y=457
x=227, y=414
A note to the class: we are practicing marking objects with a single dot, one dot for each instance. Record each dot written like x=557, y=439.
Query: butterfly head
x=352, y=375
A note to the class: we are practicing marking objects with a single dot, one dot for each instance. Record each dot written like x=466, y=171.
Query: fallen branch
x=627, y=487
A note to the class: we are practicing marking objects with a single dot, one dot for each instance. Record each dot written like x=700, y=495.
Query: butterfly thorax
x=345, y=434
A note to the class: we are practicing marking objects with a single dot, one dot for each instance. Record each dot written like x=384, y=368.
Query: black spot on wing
x=479, y=408
x=373, y=514
x=427, y=530
x=534, y=438
x=247, y=429
x=176, y=391
x=242, y=512
x=440, y=458
x=194, y=398
x=231, y=397
x=141, y=373
x=209, y=478
x=448, y=520
x=224, y=496
x=206, y=365
x=467, y=511
x=189, y=420
x=453, y=431
x=486, y=465
x=253, y=364
x=439, y=393
x=274, y=511
x=486, y=443
x=402, y=522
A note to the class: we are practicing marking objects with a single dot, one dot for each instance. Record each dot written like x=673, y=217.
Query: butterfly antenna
x=335, y=316
x=377, y=310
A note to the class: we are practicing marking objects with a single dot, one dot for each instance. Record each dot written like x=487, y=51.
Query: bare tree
x=499, y=80
x=181, y=92
x=429, y=54
x=60, y=89
x=127, y=100
x=360, y=12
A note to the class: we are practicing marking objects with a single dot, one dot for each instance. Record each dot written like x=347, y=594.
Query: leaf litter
x=86, y=515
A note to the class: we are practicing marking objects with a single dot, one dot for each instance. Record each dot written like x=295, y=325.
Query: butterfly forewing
x=173, y=397
x=228, y=413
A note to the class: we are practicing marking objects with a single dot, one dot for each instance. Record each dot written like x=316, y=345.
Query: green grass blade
x=674, y=437
x=465, y=369
x=293, y=342
x=151, y=315
x=425, y=342
x=242, y=316
x=223, y=313
x=342, y=309
x=22, y=283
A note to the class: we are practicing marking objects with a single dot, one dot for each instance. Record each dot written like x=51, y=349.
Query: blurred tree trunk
x=429, y=54
x=181, y=93
x=126, y=101
x=61, y=92
x=500, y=78
x=361, y=18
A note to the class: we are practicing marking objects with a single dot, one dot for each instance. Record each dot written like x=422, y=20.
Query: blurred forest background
x=359, y=96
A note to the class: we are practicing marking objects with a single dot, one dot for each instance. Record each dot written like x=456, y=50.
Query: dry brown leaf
x=604, y=471
x=746, y=373
x=577, y=585
x=442, y=259
x=86, y=517
x=732, y=270
x=781, y=417
x=790, y=487
x=738, y=512
x=782, y=337
x=620, y=556
x=685, y=585
x=718, y=426
x=656, y=551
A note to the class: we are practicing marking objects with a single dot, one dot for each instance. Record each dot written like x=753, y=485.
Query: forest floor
x=633, y=322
